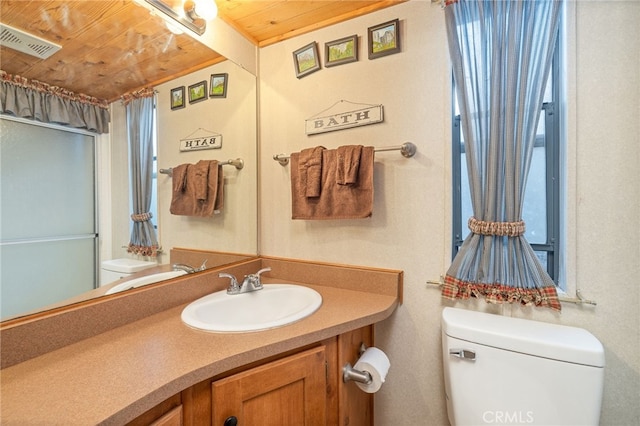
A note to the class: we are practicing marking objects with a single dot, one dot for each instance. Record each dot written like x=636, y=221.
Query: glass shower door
x=48, y=215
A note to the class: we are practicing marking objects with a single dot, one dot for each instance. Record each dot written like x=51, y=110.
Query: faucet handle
x=233, y=286
x=255, y=278
x=203, y=266
x=267, y=269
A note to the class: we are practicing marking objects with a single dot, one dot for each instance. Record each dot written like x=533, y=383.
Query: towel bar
x=407, y=149
x=238, y=163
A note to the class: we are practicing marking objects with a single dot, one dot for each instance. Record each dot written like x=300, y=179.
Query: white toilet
x=508, y=371
x=115, y=269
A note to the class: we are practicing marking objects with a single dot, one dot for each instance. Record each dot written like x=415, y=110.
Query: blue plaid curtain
x=501, y=52
x=139, y=109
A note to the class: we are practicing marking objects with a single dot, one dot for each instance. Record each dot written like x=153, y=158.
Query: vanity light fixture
x=192, y=14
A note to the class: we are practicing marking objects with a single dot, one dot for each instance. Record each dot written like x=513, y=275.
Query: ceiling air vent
x=26, y=43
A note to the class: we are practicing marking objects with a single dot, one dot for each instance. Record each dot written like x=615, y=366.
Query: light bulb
x=206, y=9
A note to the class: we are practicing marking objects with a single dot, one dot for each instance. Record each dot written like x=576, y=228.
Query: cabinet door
x=172, y=418
x=287, y=392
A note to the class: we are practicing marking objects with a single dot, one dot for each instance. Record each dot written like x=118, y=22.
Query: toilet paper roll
x=376, y=363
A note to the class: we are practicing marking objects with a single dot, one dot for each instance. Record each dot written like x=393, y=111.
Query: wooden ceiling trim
x=331, y=21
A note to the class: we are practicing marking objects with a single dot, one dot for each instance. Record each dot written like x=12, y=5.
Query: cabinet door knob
x=231, y=421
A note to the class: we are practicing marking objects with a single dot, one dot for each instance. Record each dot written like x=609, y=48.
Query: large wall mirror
x=233, y=117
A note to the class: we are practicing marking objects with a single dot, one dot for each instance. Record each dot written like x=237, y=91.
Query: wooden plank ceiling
x=111, y=47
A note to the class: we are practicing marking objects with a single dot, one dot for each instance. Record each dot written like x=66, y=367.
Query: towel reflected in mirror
x=198, y=189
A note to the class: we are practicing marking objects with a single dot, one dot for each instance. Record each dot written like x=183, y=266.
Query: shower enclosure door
x=48, y=215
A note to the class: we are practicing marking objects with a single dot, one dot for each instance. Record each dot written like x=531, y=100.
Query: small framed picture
x=306, y=60
x=218, y=85
x=384, y=39
x=341, y=51
x=198, y=92
x=177, y=98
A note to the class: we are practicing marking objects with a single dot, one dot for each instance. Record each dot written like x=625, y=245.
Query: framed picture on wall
x=198, y=92
x=341, y=51
x=384, y=39
x=306, y=60
x=177, y=98
x=218, y=85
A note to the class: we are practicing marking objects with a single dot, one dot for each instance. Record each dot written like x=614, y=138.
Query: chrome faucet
x=189, y=269
x=250, y=283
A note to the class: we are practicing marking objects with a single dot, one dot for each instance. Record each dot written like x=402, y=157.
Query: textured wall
x=410, y=226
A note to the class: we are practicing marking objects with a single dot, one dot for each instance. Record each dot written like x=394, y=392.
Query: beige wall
x=410, y=226
x=235, y=229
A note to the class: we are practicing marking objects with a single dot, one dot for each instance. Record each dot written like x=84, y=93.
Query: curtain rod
x=578, y=300
x=238, y=163
x=407, y=149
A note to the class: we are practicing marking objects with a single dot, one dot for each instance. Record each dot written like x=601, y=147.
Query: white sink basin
x=273, y=306
x=146, y=280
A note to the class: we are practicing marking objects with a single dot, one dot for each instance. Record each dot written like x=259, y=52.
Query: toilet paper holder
x=349, y=373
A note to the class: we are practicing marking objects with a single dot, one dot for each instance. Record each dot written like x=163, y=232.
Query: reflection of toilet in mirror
x=115, y=269
x=503, y=370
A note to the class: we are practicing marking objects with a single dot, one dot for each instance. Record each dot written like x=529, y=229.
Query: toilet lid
x=553, y=341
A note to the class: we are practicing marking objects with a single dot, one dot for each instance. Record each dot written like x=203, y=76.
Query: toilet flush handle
x=463, y=353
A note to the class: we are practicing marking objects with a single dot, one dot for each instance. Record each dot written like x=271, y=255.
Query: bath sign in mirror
x=344, y=115
x=201, y=139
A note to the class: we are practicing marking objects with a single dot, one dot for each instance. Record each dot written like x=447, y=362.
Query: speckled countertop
x=114, y=376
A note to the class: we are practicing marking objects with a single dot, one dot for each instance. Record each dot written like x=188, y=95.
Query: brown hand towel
x=206, y=207
x=348, y=163
x=310, y=169
x=219, y=203
x=179, y=205
x=201, y=180
x=353, y=201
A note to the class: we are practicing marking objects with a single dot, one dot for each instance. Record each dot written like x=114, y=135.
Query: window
x=542, y=207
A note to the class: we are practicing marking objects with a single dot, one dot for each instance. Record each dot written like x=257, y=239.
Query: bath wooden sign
x=362, y=116
x=201, y=139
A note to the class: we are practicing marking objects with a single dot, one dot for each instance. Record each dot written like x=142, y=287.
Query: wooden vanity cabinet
x=288, y=392
x=303, y=387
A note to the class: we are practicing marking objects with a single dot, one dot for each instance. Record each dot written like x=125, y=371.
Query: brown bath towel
x=354, y=201
x=197, y=189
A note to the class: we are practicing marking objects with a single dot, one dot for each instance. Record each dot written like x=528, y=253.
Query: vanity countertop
x=113, y=377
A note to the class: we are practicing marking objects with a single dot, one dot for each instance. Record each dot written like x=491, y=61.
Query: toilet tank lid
x=559, y=342
x=127, y=266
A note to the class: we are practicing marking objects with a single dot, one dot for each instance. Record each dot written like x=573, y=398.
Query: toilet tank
x=115, y=269
x=501, y=370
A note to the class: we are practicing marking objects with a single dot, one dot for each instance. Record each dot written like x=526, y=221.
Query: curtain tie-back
x=501, y=229
x=141, y=217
